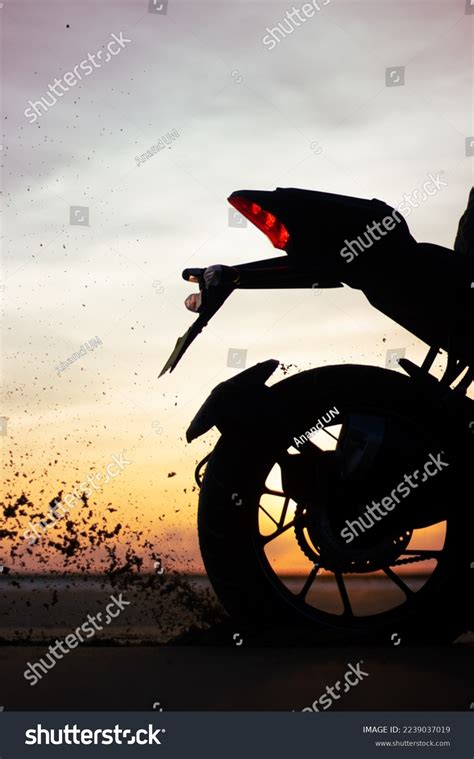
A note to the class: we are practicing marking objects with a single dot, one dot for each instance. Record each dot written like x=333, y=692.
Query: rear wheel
x=272, y=509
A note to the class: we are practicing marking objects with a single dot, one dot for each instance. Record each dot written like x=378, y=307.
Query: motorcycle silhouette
x=308, y=465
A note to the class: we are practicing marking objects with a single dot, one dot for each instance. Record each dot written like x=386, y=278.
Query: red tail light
x=274, y=229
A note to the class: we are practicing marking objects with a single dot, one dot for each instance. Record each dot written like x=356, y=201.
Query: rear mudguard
x=238, y=404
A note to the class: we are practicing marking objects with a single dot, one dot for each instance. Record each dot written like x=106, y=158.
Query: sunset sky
x=313, y=112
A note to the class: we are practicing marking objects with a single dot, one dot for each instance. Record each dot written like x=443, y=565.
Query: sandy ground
x=142, y=661
x=218, y=678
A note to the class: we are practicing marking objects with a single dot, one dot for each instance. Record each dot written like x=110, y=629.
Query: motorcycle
x=299, y=461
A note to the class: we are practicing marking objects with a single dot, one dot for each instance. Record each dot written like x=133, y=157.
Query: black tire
x=229, y=502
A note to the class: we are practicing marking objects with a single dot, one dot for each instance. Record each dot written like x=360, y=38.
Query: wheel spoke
x=398, y=581
x=267, y=538
x=269, y=491
x=330, y=434
x=309, y=581
x=268, y=515
x=284, y=511
x=344, y=595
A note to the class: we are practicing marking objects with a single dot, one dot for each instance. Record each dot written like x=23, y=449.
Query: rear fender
x=235, y=404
